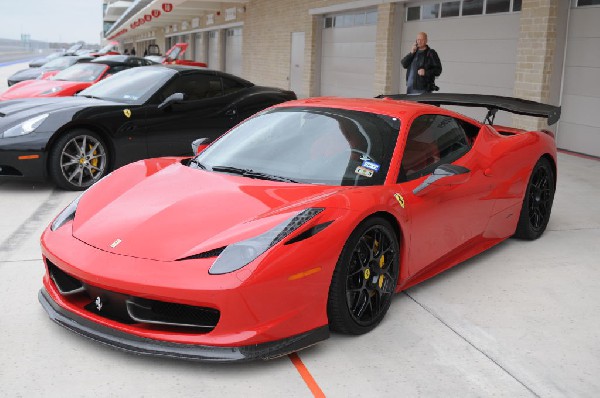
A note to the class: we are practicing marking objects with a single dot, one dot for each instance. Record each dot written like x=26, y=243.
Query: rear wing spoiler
x=493, y=103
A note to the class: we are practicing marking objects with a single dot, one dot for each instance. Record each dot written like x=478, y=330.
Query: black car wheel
x=78, y=159
x=365, y=278
x=537, y=203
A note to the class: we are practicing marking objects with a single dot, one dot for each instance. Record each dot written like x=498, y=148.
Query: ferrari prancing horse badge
x=400, y=199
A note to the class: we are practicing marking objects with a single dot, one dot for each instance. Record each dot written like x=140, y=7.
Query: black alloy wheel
x=365, y=278
x=537, y=203
x=78, y=159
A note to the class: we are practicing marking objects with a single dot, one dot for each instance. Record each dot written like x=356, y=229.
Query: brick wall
x=535, y=56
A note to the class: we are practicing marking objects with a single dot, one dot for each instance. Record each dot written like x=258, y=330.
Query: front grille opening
x=65, y=283
x=172, y=314
x=131, y=310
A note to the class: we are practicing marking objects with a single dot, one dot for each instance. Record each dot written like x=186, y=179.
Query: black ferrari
x=139, y=113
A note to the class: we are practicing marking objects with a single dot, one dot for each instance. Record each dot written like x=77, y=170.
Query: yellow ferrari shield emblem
x=367, y=273
x=127, y=112
x=400, y=199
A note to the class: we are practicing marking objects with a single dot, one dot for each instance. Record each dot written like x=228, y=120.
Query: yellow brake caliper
x=94, y=162
x=381, y=264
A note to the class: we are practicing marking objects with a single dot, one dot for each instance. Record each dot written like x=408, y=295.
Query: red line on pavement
x=308, y=379
x=579, y=155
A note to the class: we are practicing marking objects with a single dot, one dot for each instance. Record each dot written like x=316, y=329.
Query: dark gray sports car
x=139, y=113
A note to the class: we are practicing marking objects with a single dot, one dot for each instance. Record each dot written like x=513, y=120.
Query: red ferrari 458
x=305, y=218
x=73, y=79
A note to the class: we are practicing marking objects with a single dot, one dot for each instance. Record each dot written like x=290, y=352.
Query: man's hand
x=421, y=72
x=414, y=48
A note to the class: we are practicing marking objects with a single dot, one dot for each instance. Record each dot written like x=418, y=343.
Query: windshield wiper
x=251, y=173
x=88, y=96
x=197, y=163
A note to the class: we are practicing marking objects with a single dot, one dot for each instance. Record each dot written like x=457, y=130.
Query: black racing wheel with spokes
x=78, y=159
x=537, y=203
x=365, y=278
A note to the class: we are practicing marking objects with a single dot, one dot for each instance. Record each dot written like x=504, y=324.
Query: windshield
x=74, y=47
x=106, y=48
x=132, y=86
x=174, y=53
x=308, y=145
x=156, y=58
x=60, y=63
x=52, y=56
x=81, y=73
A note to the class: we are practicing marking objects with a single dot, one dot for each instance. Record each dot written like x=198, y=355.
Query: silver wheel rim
x=83, y=160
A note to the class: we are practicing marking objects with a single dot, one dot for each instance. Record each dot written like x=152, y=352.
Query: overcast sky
x=52, y=20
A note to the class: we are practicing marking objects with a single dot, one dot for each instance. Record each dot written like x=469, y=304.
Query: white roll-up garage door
x=214, y=50
x=200, y=46
x=233, y=51
x=478, y=52
x=579, y=128
x=348, y=54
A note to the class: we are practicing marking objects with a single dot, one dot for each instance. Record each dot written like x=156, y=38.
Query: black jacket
x=432, y=65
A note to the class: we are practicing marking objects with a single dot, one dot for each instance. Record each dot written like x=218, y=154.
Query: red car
x=303, y=219
x=73, y=79
x=172, y=57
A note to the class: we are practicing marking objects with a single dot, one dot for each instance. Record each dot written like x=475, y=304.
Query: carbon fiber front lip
x=145, y=346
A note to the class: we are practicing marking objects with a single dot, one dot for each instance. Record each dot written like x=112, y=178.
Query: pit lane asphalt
x=521, y=320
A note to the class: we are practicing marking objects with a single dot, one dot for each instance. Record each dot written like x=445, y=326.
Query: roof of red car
x=374, y=105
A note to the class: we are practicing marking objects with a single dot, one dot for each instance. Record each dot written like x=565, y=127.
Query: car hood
x=179, y=211
x=34, y=88
x=21, y=109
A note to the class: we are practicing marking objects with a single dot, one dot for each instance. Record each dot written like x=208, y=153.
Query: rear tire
x=77, y=160
x=365, y=278
x=537, y=203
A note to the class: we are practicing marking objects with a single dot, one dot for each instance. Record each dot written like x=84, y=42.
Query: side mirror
x=444, y=175
x=199, y=145
x=171, y=99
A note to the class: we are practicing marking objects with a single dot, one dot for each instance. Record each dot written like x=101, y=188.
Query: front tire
x=364, y=278
x=78, y=159
x=537, y=203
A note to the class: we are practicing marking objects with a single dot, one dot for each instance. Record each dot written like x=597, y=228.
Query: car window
x=310, y=145
x=80, y=73
x=117, y=68
x=231, y=86
x=432, y=140
x=194, y=87
x=132, y=86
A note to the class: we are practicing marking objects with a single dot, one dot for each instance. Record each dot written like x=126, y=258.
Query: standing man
x=422, y=66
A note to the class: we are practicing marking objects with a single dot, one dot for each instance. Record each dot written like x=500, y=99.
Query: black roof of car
x=121, y=60
x=183, y=69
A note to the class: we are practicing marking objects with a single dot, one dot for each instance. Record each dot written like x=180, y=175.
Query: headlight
x=26, y=127
x=52, y=90
x=242, y=253
x=66, y=215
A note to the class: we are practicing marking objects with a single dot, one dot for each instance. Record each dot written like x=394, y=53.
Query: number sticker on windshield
x=362, y=171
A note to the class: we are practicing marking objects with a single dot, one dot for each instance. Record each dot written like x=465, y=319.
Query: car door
x=451, y=215
x=205, y=112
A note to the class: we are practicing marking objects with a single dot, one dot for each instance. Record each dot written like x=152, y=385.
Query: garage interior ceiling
x=183, y=10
